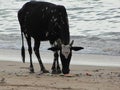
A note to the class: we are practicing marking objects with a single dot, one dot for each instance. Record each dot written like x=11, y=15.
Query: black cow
x=46, y=21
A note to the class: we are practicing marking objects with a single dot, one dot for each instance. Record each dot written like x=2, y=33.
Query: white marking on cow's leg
x=66, y=50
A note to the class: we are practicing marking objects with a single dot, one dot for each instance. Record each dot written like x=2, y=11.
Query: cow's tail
x=23, y=48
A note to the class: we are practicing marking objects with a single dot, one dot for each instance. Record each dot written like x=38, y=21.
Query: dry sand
x=15, y=76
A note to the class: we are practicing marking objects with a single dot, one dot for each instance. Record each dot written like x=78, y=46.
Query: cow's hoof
x=31, y=70
x=59, y=71
x=56, y=71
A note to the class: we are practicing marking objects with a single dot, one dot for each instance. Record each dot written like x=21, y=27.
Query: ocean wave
x=92, y=45
x=95, y=45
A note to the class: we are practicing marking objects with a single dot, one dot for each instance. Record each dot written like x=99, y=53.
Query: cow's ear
x=76, y=48
x=54, y=48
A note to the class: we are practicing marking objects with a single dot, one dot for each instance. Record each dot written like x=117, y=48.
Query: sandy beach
x=14, y=75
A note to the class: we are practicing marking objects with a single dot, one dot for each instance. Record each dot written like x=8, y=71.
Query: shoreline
x=77, y=59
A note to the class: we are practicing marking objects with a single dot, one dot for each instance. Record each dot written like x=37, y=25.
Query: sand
x=15, y=75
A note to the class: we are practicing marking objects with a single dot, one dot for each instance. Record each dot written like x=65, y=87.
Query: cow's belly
x=40, y=36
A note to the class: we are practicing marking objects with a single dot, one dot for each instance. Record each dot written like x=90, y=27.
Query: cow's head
x=65, y=55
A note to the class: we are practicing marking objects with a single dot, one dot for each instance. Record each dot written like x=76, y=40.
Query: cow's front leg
x=55, y=66
x=36, y=49
x=58, y=68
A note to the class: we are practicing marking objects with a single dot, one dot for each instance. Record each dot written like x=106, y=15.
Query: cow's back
x=41, y=19
x=38, y=14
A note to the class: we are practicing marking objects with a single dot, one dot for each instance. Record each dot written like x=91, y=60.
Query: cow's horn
x=71, y=42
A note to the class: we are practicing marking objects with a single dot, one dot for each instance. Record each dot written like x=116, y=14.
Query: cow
x=44, y=21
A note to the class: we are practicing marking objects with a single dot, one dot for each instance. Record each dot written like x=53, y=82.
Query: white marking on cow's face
x=66, y=50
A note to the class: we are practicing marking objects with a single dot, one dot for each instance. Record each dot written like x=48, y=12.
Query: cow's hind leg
x=55, y=66
x=28, y=38
x=36, y=49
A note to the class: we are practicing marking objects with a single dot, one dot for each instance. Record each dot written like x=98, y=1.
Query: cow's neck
x=65, y=38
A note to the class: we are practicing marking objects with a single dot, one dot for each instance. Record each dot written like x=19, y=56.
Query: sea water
x=94, y=25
